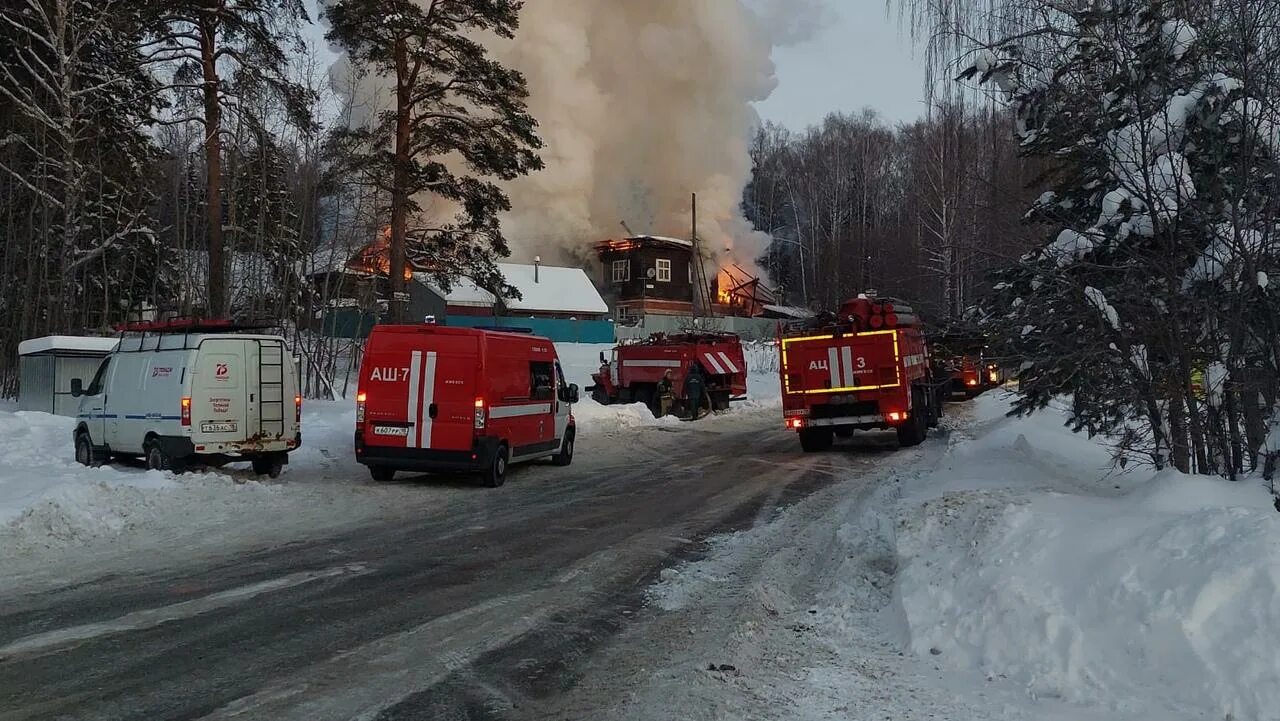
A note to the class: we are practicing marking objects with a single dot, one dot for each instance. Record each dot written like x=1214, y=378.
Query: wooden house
x=647, y=275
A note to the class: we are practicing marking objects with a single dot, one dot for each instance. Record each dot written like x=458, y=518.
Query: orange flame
x=375, y=258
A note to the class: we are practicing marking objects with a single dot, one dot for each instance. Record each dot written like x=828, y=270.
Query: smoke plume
x=642, y=103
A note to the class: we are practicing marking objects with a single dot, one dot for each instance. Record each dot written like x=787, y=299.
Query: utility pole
x=702, y=294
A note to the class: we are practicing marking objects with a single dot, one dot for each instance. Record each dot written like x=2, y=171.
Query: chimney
x=537, y=263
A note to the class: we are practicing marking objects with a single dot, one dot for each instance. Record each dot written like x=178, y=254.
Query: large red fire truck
x=708, y=370
x=865, y=367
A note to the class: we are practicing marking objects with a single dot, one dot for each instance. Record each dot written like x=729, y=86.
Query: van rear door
x=420, y=390
x=219, y=401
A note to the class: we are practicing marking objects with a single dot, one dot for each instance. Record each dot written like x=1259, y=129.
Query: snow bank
x=47, y=500
x=38, y=471
x=1023, y=558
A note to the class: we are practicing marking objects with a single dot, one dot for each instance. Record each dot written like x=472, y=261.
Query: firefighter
x=666, y=394
x=695, y=386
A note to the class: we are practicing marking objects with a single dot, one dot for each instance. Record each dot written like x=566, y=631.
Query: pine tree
x=458, y=123
x=218, y=47
x=1148, y=281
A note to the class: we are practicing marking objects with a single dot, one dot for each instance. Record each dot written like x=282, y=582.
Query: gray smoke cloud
x=642, y=103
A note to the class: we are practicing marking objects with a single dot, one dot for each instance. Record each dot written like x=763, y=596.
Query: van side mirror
x=77, y=387
x=573, y=393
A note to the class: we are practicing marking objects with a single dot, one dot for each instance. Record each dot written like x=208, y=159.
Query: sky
x=860, y=59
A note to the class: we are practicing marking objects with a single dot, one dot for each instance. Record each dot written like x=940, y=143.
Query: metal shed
x=47, y=365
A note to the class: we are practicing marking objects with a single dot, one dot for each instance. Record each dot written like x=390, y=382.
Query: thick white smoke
x=642, y=103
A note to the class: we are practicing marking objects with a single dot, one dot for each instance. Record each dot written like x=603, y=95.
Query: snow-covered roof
x=67, y=343
x=789, y=311
x=558, y=290
x=665, y=239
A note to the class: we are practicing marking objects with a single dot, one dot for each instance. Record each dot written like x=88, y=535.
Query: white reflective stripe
x=728, y=363
x=526, y=409
x=423, y=429
x=713, y=364
x=833, y=367
x=846, y=357
x=415, y=393
x=652, y=363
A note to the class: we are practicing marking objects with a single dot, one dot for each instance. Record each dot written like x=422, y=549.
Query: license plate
x=217, y=427
x=401, y=431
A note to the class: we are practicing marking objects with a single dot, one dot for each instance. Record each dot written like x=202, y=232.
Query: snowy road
x=496, y=605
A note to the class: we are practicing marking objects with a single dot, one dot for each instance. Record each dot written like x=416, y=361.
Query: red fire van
x=433, y=398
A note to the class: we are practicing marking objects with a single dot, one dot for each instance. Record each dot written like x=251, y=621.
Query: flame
x=375, y=258
x=617, y=245
x=724, y=287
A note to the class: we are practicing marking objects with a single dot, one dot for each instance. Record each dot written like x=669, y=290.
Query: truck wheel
x=814, y=440
x=85, y=454
x=599, y=396
x=382, y=474
x=158, y=460
x=565, y=456
x=916, y=429
x=270, y=466
x=496, y=474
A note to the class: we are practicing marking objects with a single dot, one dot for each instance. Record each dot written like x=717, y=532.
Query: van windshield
x=95, y=387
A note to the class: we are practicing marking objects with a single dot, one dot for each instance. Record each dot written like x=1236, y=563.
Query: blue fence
x=560, y=330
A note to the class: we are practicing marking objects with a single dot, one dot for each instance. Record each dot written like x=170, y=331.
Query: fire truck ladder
x=271, y=405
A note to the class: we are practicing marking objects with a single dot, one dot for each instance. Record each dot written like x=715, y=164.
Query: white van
x=179, y=396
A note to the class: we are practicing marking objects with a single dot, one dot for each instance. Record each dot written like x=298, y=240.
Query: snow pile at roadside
x=47, y=500
x=40, y=482
x=1024, y=559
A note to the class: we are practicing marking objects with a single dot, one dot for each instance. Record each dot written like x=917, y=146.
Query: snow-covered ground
x=1012, y=575
x=49, y=505
x=1026, y=560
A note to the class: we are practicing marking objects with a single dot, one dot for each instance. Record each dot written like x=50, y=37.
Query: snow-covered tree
x=458, y=122
x=1148, y=302
x=74, y=162
x=212, y=53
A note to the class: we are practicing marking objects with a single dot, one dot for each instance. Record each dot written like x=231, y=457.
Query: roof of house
x=77, y=344
x=788, y=311
x=664, y=239
x=558, y=290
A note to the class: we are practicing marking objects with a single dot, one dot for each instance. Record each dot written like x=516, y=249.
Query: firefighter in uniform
x=666, y=395
x=695, y=386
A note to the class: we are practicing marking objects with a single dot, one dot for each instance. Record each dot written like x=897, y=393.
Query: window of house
x=664, y=270
x=621, y=271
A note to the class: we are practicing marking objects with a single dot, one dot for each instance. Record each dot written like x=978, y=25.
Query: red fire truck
x=865, y=367
x=708, y=370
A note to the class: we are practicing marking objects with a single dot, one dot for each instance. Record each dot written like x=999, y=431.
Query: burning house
x=648, y=275
x=738, y=293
